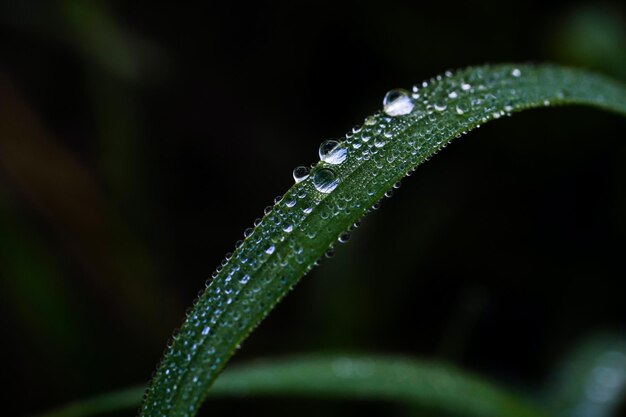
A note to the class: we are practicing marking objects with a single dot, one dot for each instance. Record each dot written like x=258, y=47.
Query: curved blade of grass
x=305, y=222
x=425, y=384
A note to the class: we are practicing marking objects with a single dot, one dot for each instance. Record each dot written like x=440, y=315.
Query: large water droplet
x=300, y=173
x=332, y=152
x=397, y=103
x=325, y=180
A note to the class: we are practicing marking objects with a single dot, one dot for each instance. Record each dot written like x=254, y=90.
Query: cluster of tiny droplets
x=270, y=249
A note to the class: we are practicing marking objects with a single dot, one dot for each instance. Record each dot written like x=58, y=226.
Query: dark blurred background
x=137, y=141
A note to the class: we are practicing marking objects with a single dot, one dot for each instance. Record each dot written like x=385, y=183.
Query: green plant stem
x=306, y=221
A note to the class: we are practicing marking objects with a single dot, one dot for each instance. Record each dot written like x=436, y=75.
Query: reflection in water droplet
x=325, y=180
x=332, y=152
x=516, y=72
x=397, y=103
x=344, y=237
x=465, y=86
x=300, y=173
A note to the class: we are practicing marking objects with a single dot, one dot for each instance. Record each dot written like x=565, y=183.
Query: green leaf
x=312, y=214
x=429, y=385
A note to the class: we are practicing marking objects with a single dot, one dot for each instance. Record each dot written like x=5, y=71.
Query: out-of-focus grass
x=590, y=380
x=592, y=35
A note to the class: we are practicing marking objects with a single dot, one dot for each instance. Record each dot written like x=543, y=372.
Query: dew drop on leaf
x=370, y=120
x=397, y=103
x=300, y=173
x=332, y=153
x=325, y=180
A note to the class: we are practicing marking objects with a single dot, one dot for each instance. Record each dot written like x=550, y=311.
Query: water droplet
x=287, y=228
x=332, y=152
x=370, y=120
x=465, y=86
x=325, y=180
x=453, y=95
x=516, y=72
x=247, y=232
x=270, y=249
x=245, y=279
x=440, y=107
x=206, y=331
x=300, y=173
x=397, y=103
x=344, y=237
